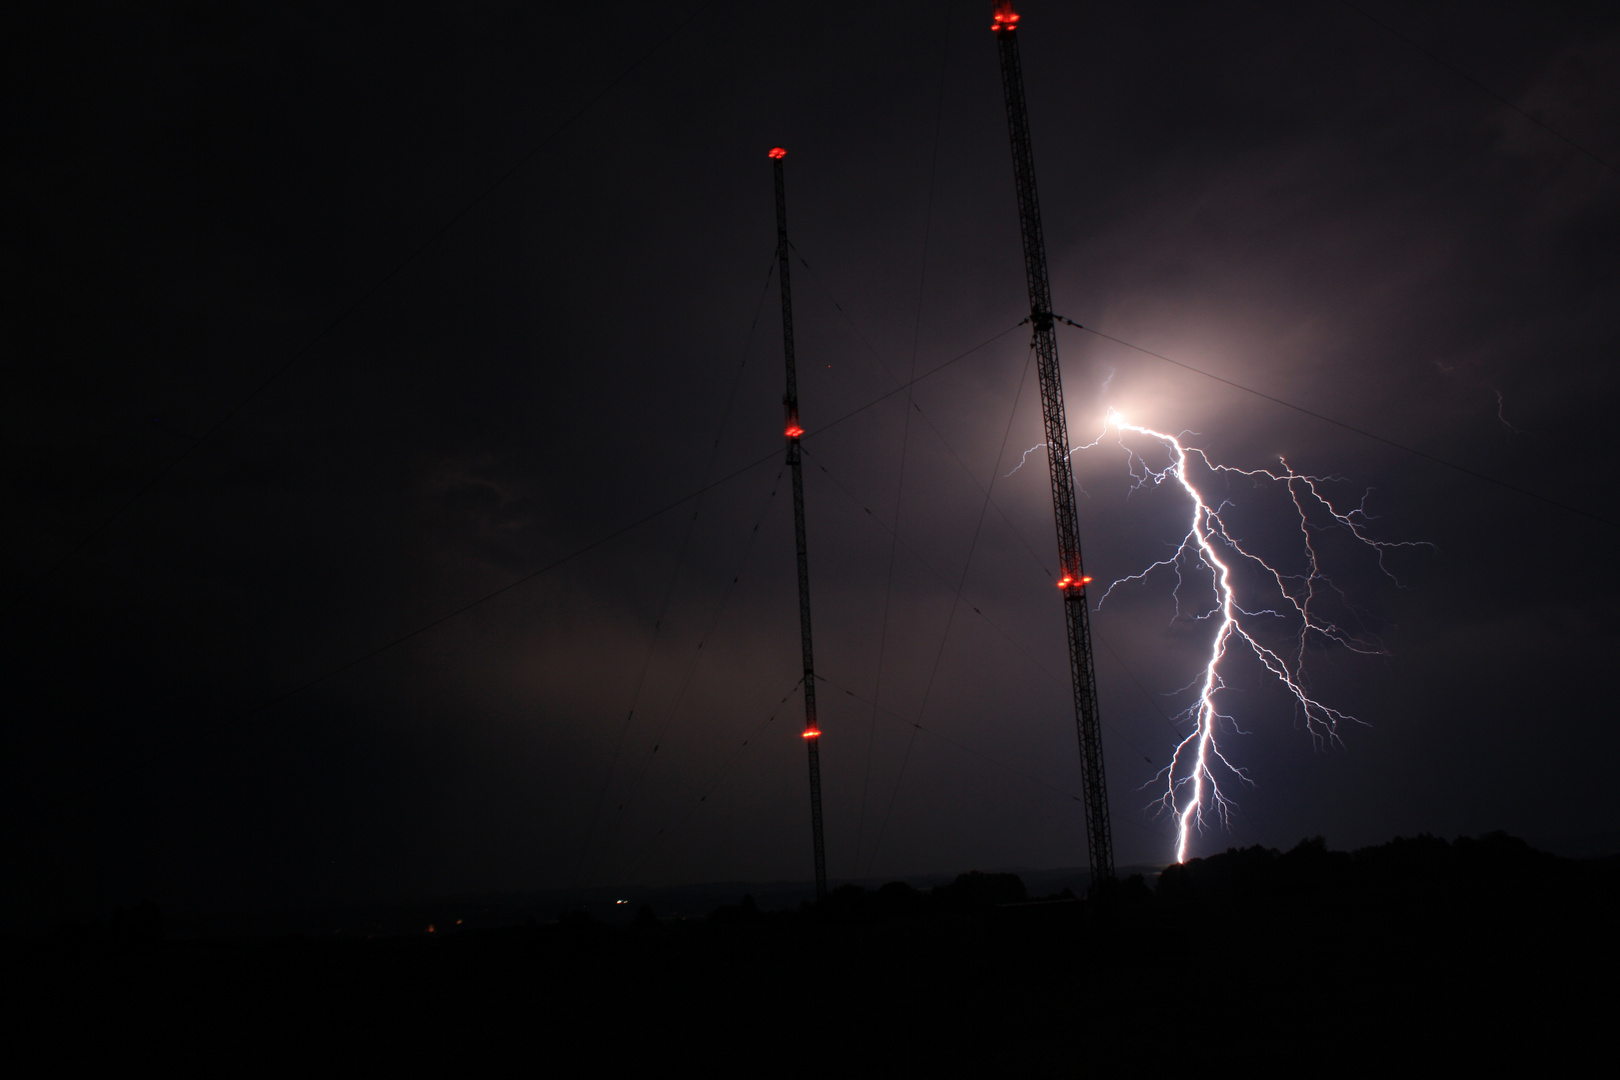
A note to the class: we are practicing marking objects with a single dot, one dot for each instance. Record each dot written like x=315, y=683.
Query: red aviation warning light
x=812, y=733
x=777, y=153
x=791, y=426
x=1066, y=581
x=1005, y=19
x=793, y=431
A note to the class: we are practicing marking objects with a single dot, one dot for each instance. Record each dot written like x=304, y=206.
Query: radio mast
x=793, y=430
x=1072, y=579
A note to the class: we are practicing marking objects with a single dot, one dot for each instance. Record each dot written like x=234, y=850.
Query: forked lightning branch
x=1210, y=556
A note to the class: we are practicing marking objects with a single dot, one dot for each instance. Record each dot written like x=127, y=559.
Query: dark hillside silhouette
x=1423, y=947
x=1418, y=863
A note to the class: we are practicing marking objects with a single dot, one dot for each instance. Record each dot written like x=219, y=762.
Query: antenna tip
x=777, y=153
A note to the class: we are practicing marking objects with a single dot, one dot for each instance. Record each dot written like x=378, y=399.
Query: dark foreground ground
x=1416, y=953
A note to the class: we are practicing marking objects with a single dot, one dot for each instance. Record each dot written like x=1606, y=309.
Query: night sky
x=325, y=323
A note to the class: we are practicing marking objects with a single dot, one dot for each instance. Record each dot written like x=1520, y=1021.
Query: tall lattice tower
x=1072, y=579
x=793, y=430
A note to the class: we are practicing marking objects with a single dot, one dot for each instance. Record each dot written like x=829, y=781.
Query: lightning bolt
x=1031, y=450
x=1192, y=793
x=1042, y=446
x=1501, y=412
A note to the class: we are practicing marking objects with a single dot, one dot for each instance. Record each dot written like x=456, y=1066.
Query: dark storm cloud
x=1291, y=199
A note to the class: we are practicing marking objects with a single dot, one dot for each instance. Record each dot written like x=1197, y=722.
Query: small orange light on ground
x=777, y=153
x=794, y=432
x=812, y=733
x=430, y=928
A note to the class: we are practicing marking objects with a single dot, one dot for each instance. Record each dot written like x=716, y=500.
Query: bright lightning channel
x=1191, y=788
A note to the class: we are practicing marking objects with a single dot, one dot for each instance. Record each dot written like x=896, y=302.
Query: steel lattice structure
x=1072, y=578
x=793, y=430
